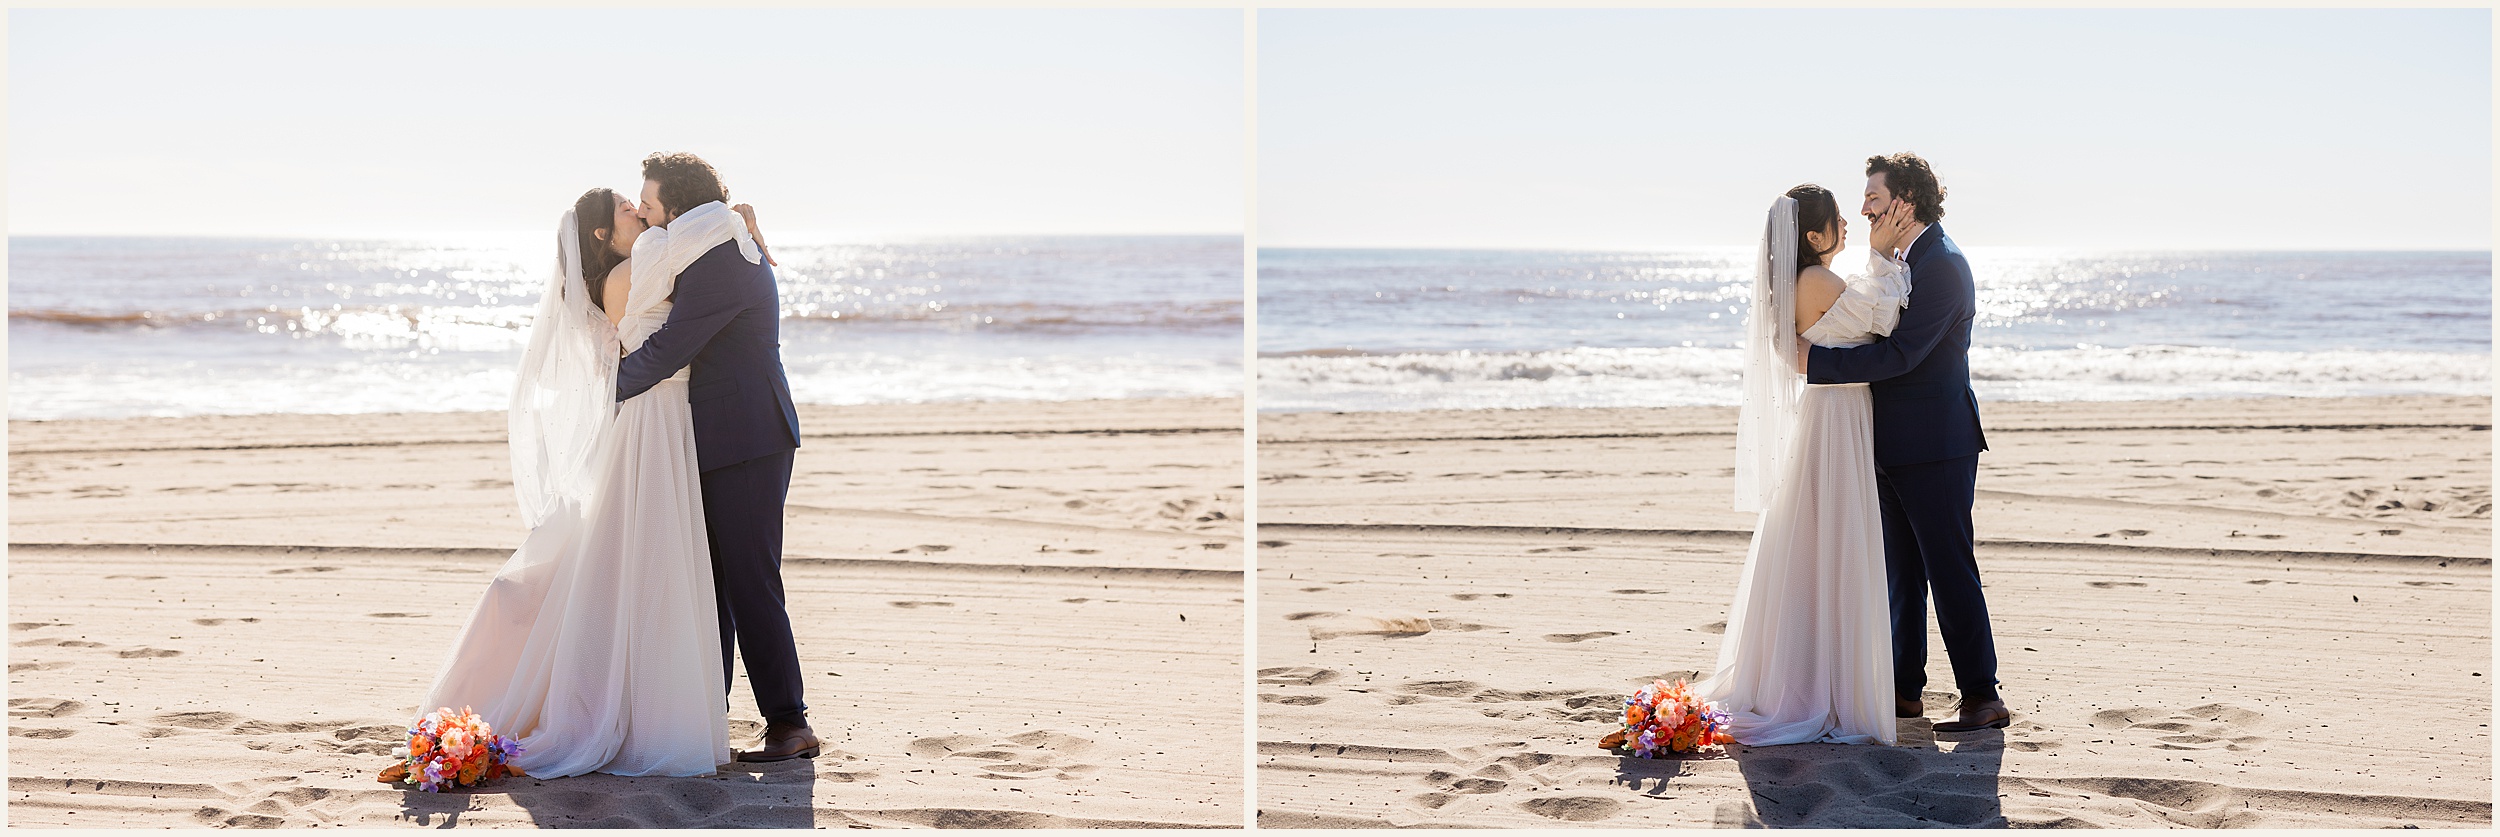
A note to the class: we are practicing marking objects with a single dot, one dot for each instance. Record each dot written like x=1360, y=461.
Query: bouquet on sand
x=1665, y=719
x=448, y=750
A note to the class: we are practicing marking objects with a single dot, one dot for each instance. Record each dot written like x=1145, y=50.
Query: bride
x=1808, y=651
x=597, y=646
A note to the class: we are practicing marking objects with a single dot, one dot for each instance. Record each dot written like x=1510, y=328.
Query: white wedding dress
x=597, y=646
x=1807, y=655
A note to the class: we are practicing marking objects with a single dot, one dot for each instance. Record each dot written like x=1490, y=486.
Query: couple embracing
x=652, y=437
x=1864, y=476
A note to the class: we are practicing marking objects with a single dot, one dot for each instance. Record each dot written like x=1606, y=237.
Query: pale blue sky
x=2299, y=129
x=851, y=122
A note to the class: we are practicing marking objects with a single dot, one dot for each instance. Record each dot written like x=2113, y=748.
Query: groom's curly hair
x=685, y=180
x=1908, y=178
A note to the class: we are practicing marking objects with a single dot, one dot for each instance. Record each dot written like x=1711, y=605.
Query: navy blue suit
x=727, y=325
x=1927, y=444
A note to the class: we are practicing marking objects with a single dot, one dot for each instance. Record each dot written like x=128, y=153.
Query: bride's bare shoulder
x=620, y=284
x=1818, y=286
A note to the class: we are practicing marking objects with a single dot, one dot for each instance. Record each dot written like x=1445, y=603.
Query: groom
x=727, y=322
x=1927, y=444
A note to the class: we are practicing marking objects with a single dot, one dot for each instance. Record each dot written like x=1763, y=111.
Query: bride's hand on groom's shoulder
x=747, y=211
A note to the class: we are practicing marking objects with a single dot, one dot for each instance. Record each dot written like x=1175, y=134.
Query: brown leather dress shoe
x=1986, y=714
x=782, y=744
x=1908, y=709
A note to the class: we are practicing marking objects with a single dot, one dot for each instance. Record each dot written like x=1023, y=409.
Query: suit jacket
x=727, y=323
x=1919, y=376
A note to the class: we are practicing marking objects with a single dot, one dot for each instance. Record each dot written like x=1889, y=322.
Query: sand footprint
x=59, y=643
x=1484, y=771
x=1935, y=806
x=1573, y=808
x=1578, y=637
x=1469, y=597
x=41, y=707
x=291, y=570
x=917, y=605
x=1040, y=754
x=361, y=740
x=1686, y=675
x=1294, y=700
x=197, y=720
x=216, y=817
x=1576, y=705
x=1448, y=787
x=2208, y=727
x=1336, y=625
x=1298, y=676
x=2028, y=737
x=2182, y=802
x=1588, y=708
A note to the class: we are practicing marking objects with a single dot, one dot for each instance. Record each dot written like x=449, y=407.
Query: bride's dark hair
x=593, y=213
x=1816, y=210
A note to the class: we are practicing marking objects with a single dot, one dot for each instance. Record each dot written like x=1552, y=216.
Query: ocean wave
x=500, y=327
x=167, y=385
x=387, y=327
x=1123, y=315
x=1644, y=377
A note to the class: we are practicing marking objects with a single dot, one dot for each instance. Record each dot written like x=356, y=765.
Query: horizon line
x=810, y=234
x=1660, y=248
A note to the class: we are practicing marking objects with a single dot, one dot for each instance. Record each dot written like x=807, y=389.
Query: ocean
x=1349, y=329
x=121, y=327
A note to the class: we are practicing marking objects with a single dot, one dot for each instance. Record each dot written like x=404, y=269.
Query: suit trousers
x=742, y=509
x=1928, y=548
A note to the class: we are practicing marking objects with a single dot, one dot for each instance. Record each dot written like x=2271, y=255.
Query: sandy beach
x=2208, y=613
x=1011, y=614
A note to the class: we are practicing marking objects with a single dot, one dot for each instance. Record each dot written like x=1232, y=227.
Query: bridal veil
x=1766, y=422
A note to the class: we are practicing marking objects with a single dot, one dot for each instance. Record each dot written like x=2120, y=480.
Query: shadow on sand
x=1926, y=781
x=776, y=795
